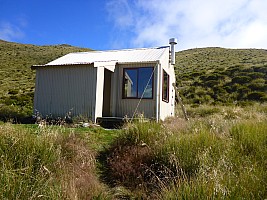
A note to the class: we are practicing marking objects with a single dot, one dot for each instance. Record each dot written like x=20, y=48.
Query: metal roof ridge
x=118, y=50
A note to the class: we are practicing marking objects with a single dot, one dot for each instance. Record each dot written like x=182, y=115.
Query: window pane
x=165, y=89
x=145, y=82
x=130, y=83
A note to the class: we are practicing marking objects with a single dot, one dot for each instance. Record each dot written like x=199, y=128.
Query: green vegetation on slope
x=218, y=154
x=218, y=75
x=17, y=78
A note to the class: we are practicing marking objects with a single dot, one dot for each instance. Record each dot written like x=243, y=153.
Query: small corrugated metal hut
x=115, y=83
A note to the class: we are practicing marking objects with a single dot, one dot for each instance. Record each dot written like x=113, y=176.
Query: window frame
x=167, y=88
x=137, y=85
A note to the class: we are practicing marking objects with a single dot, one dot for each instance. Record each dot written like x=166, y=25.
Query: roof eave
x=59, y=65
x=147, y=62
x=33, y=67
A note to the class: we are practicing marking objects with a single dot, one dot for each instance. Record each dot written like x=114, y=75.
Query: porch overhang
x=109, y=65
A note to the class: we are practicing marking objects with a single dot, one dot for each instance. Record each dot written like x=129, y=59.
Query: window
x=165, y=87
x=138, y=83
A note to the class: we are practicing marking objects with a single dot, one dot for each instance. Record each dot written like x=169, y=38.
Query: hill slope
x=218, y=75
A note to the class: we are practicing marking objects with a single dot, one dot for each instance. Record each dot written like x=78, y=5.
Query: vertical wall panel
x=66, y=88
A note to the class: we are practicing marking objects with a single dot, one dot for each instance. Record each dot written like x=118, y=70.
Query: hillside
x=218, y=75
x=16, y=76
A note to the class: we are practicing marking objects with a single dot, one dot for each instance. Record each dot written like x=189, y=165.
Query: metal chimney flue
x=173, y=42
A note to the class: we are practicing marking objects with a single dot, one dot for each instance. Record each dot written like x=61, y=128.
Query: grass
x=220, y=155
x=231, y=167
x=48, y=163
x=217, y=154
x=222, y=76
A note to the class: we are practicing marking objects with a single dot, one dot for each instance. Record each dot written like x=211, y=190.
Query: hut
x=111, y=84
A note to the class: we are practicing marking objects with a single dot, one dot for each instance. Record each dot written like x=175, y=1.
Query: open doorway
x=106, y=93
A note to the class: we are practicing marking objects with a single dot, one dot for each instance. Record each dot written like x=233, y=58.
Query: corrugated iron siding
x=63, y=89
x=126, y=107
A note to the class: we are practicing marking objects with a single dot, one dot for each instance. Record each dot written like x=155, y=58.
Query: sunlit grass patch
x=51, y=162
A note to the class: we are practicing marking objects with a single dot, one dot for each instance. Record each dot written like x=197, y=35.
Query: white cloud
x=196, y=23
x=121, y=12
x=10, y=32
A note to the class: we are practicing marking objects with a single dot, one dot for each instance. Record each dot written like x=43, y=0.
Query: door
x=106, y=93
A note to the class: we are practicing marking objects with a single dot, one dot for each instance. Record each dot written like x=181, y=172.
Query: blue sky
x=115, y=24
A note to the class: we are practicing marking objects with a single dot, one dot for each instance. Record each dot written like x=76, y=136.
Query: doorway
x=106, y=93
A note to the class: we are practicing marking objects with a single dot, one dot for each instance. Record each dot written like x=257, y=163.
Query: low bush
x=241, y=79
x=15, y=114
x=257, y=96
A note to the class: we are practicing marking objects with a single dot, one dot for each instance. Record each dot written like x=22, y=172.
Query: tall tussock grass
x=46, y=163
x=219, y=156
x=27, y=164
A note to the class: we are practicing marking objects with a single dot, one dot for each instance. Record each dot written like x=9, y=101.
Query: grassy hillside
x=16, y=76
x=218, y=75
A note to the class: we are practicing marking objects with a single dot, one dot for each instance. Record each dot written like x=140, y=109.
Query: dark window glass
x=165, y=87
x=138, y=83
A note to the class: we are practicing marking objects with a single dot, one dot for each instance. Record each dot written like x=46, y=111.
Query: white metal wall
x=125, y=107
x=59, y=90
x=167, y=109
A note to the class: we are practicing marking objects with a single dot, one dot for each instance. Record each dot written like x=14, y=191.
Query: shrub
x=256, y=75
x=15, y=114
x=241, y=79
x=258, y=85
x=211, y=83
x=257, y=96
x=13, y=91
x=261, y=69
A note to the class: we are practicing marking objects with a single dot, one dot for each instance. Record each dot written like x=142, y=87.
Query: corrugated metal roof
x=119, y=56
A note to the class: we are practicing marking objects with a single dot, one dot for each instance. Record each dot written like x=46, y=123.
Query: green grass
x=232, y=167
x=49, y=163
x=28, y=163
x=222, y=76
x=220, y=155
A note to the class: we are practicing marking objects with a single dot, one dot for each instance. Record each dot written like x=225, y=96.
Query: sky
x=120, y=24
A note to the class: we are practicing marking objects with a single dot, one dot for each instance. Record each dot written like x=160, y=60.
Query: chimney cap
x=173, y=41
